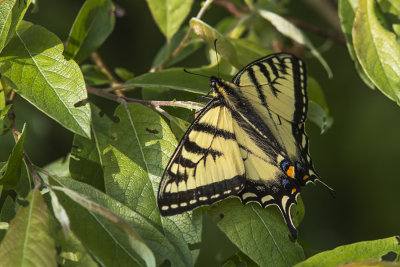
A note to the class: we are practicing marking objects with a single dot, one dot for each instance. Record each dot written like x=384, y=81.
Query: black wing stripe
x=206, y=128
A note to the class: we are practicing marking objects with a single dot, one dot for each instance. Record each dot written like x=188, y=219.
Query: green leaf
x=143, y=144
x=28, y=241
x=11, y=172
x=92, y=26
x=377, y=51
x=11, y=14
x=107, y=241
x=346, y=11
x=224, y=46
x=318, y=111
x=190, y=46
x=93, y=75
x=86, y=164
x=288, y=29
x=176, y=78
x=248, y=51
x=169, y=15
x=135, y=241
x=361, y=251
x=32, y=63
x=124, y=74
x=259, y=233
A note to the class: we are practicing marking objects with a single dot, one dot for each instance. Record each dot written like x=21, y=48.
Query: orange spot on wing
x=305, y=177
x=290, y=172
x=294, y=190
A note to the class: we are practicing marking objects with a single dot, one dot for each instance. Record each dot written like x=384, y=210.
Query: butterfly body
x=248, y=141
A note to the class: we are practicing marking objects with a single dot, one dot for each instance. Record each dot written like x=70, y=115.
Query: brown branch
x=230, y=7
x=118, y=98
x=317, y=30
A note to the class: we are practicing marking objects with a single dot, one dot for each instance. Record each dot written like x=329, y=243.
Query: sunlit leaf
x=169, y=15
x=88, y=210
x=377, y=51
x=361, y=251
x=347, y=9
x=224, y=46
x=143, y=144
x=255, y=230
x=33, y=65
x=11, y=14
x=28, y=241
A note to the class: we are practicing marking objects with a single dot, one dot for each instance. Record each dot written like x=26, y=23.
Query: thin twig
x=317, y=30
x=230, y=7
x=117, y=98
x=100, y=64
x=184, y=40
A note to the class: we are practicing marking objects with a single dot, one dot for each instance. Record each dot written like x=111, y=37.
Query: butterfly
x=248, y=141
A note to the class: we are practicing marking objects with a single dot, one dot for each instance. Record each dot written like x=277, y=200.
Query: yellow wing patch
x=207, y=165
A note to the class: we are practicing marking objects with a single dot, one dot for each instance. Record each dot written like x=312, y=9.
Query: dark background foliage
x=358, y=156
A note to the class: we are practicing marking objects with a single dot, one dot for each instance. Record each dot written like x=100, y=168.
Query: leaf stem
x=184, y=40
x=117, y=98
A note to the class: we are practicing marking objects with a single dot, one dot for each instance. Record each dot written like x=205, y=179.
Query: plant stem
x=117, y=98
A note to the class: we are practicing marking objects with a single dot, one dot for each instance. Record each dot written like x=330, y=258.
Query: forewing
x=277, y=84
x=206, y=167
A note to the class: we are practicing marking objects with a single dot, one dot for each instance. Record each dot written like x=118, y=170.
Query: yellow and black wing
x=207, y=165
x=249, y=141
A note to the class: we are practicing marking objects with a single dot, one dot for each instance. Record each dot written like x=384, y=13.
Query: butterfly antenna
x=216, y=54
x=198, y=74
x=331, y=190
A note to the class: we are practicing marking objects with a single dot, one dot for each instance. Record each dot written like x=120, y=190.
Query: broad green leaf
x=28, y=241
x=288, y=29
x=11, y=14
x=224, y=46
x=34, y=66
x=176, y=78
x=94, y=76
x=87, y=158
x=10, y=174
x=135, y=241
x=361, y=251
x=259, y=233
x=142, y=147
x=107, y=242
x=347, y=9
x=92, y=26
x=169, y=15
x=377, y=51
x=58, y=167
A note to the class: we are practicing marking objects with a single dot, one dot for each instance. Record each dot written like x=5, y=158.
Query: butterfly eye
x=213, y=82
